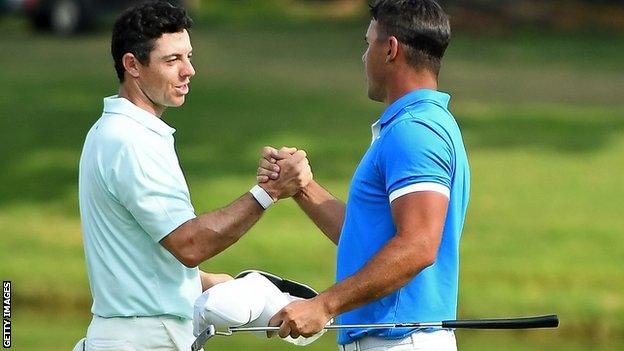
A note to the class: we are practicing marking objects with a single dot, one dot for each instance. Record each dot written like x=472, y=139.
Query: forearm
x=391, y=268
x=217, y=230
x=208, y=280
x=325, y=210
x=210, y=233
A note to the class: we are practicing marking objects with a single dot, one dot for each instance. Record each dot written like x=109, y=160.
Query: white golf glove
x=250, y=300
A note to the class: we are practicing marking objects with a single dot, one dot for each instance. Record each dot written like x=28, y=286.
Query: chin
x=177, y=102
x=375, y=97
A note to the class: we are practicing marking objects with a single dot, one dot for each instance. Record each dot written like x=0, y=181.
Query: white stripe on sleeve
x=412, y=188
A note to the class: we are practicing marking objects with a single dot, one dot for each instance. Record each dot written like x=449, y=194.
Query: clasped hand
x=282, y=173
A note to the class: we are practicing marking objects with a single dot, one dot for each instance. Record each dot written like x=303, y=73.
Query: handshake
x=283, y=173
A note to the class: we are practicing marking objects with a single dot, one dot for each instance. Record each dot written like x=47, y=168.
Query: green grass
x=543, y=121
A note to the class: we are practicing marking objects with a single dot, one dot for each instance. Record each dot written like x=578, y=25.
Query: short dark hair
x=137, y=28
x=421, y=26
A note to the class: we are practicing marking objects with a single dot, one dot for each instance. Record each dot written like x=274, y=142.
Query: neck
x=133, y=93
x=406, y=81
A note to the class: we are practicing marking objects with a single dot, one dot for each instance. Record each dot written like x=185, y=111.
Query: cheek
x=162, y=74
x=155, y=78
x=368, y=64
x=371, y=64
x=167, y=75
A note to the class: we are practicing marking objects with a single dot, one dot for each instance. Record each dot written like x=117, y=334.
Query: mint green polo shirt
x=132, y=194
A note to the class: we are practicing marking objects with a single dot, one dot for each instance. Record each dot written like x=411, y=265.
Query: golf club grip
x=550, y=321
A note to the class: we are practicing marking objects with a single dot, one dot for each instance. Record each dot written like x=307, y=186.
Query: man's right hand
x=282, y=173
x=267, y=166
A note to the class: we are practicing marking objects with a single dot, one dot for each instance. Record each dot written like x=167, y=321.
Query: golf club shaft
x=549, y=321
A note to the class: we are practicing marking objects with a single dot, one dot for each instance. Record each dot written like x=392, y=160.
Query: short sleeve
x=414, y=157
x=152, y=189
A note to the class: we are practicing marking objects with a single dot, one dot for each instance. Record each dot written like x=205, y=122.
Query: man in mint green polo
x=142, y=238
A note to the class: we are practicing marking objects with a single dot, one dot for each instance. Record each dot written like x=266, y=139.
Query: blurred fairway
x=543, y=121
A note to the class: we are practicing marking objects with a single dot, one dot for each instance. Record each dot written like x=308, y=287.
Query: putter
x=549, y=321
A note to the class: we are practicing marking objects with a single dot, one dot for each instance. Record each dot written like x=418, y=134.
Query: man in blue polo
x=398, y=235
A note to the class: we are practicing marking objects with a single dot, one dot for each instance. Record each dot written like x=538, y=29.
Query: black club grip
x=550, y=321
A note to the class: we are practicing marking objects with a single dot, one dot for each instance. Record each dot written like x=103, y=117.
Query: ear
x=393, y=49
x=131, y=63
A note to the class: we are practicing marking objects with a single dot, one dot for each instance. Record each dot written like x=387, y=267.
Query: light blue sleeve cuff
x=174, y=224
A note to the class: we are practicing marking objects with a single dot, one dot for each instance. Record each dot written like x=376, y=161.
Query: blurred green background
x=541, y=107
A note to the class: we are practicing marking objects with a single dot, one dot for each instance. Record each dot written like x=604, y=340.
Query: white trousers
x=139, y=333
x=441, y=340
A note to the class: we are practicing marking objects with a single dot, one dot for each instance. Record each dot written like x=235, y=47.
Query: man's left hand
x=301, y=318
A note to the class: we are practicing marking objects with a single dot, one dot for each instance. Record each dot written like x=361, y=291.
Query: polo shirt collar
x=412, y=98
x=119, y=105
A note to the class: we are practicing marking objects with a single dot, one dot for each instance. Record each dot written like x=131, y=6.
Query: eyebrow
x=164, y=57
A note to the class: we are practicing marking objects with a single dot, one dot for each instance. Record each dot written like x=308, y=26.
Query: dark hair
x=137, y=28
x=421, y=26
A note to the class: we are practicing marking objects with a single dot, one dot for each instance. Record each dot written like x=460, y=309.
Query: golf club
x=549, y=321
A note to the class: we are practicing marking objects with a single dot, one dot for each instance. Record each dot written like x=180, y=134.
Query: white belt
x=369, y=342
x=445, y=339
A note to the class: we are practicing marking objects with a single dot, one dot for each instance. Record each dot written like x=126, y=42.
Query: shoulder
x=413, y=130
x=119, y=127
x=423, y=121
x=119, y=132
x=116, y=142
x=415, y=136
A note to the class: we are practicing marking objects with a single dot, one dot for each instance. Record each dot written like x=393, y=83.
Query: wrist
x=302, y=193
x=273, y=193
x=327, y=305
x=262, y=196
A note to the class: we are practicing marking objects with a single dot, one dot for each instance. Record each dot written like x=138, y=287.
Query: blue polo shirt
x=417, y=146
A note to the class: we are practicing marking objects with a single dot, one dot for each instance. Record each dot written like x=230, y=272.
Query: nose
x=188, y=69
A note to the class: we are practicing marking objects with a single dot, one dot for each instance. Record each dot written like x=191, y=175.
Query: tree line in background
x=70, y=16
x=556, y=14
x=485, y=15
